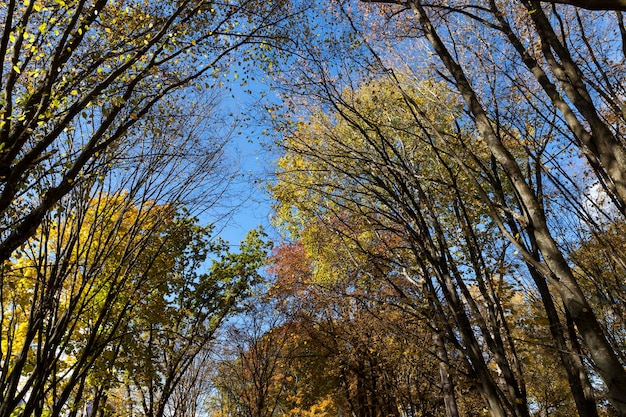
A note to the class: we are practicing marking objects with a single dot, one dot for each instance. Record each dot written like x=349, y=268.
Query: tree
x=116, y=261
x=110, y=144
x=79, y=77
x=176, y=344
x=608, y=168
x=336, y=350
x=599, y=267
x=95, y=256
x=109, y=297
x=367, y=352
x=251, y=379
x=410, y=182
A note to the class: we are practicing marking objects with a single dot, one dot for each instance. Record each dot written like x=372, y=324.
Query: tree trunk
x=447, y=384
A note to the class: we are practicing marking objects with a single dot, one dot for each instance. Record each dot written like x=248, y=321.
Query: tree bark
x=619, y=5
x=447, y=383
x=593, y=4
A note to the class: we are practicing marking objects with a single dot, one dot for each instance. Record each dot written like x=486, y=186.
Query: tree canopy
x=450, y=181
x=479, y=144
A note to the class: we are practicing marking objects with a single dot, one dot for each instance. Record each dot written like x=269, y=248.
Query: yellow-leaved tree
x=111, y=143
x=106, y=305
x=79, y=77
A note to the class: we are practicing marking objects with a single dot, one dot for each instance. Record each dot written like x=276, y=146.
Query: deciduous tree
x=78, y=77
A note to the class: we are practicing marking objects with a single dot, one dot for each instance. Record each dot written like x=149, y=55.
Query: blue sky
x=252, y=206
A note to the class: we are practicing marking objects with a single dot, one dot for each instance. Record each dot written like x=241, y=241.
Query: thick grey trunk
x=447, y=384
x=594, y=4
x=603, y=149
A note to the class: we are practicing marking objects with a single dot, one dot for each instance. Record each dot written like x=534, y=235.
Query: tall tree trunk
x=449, y=398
